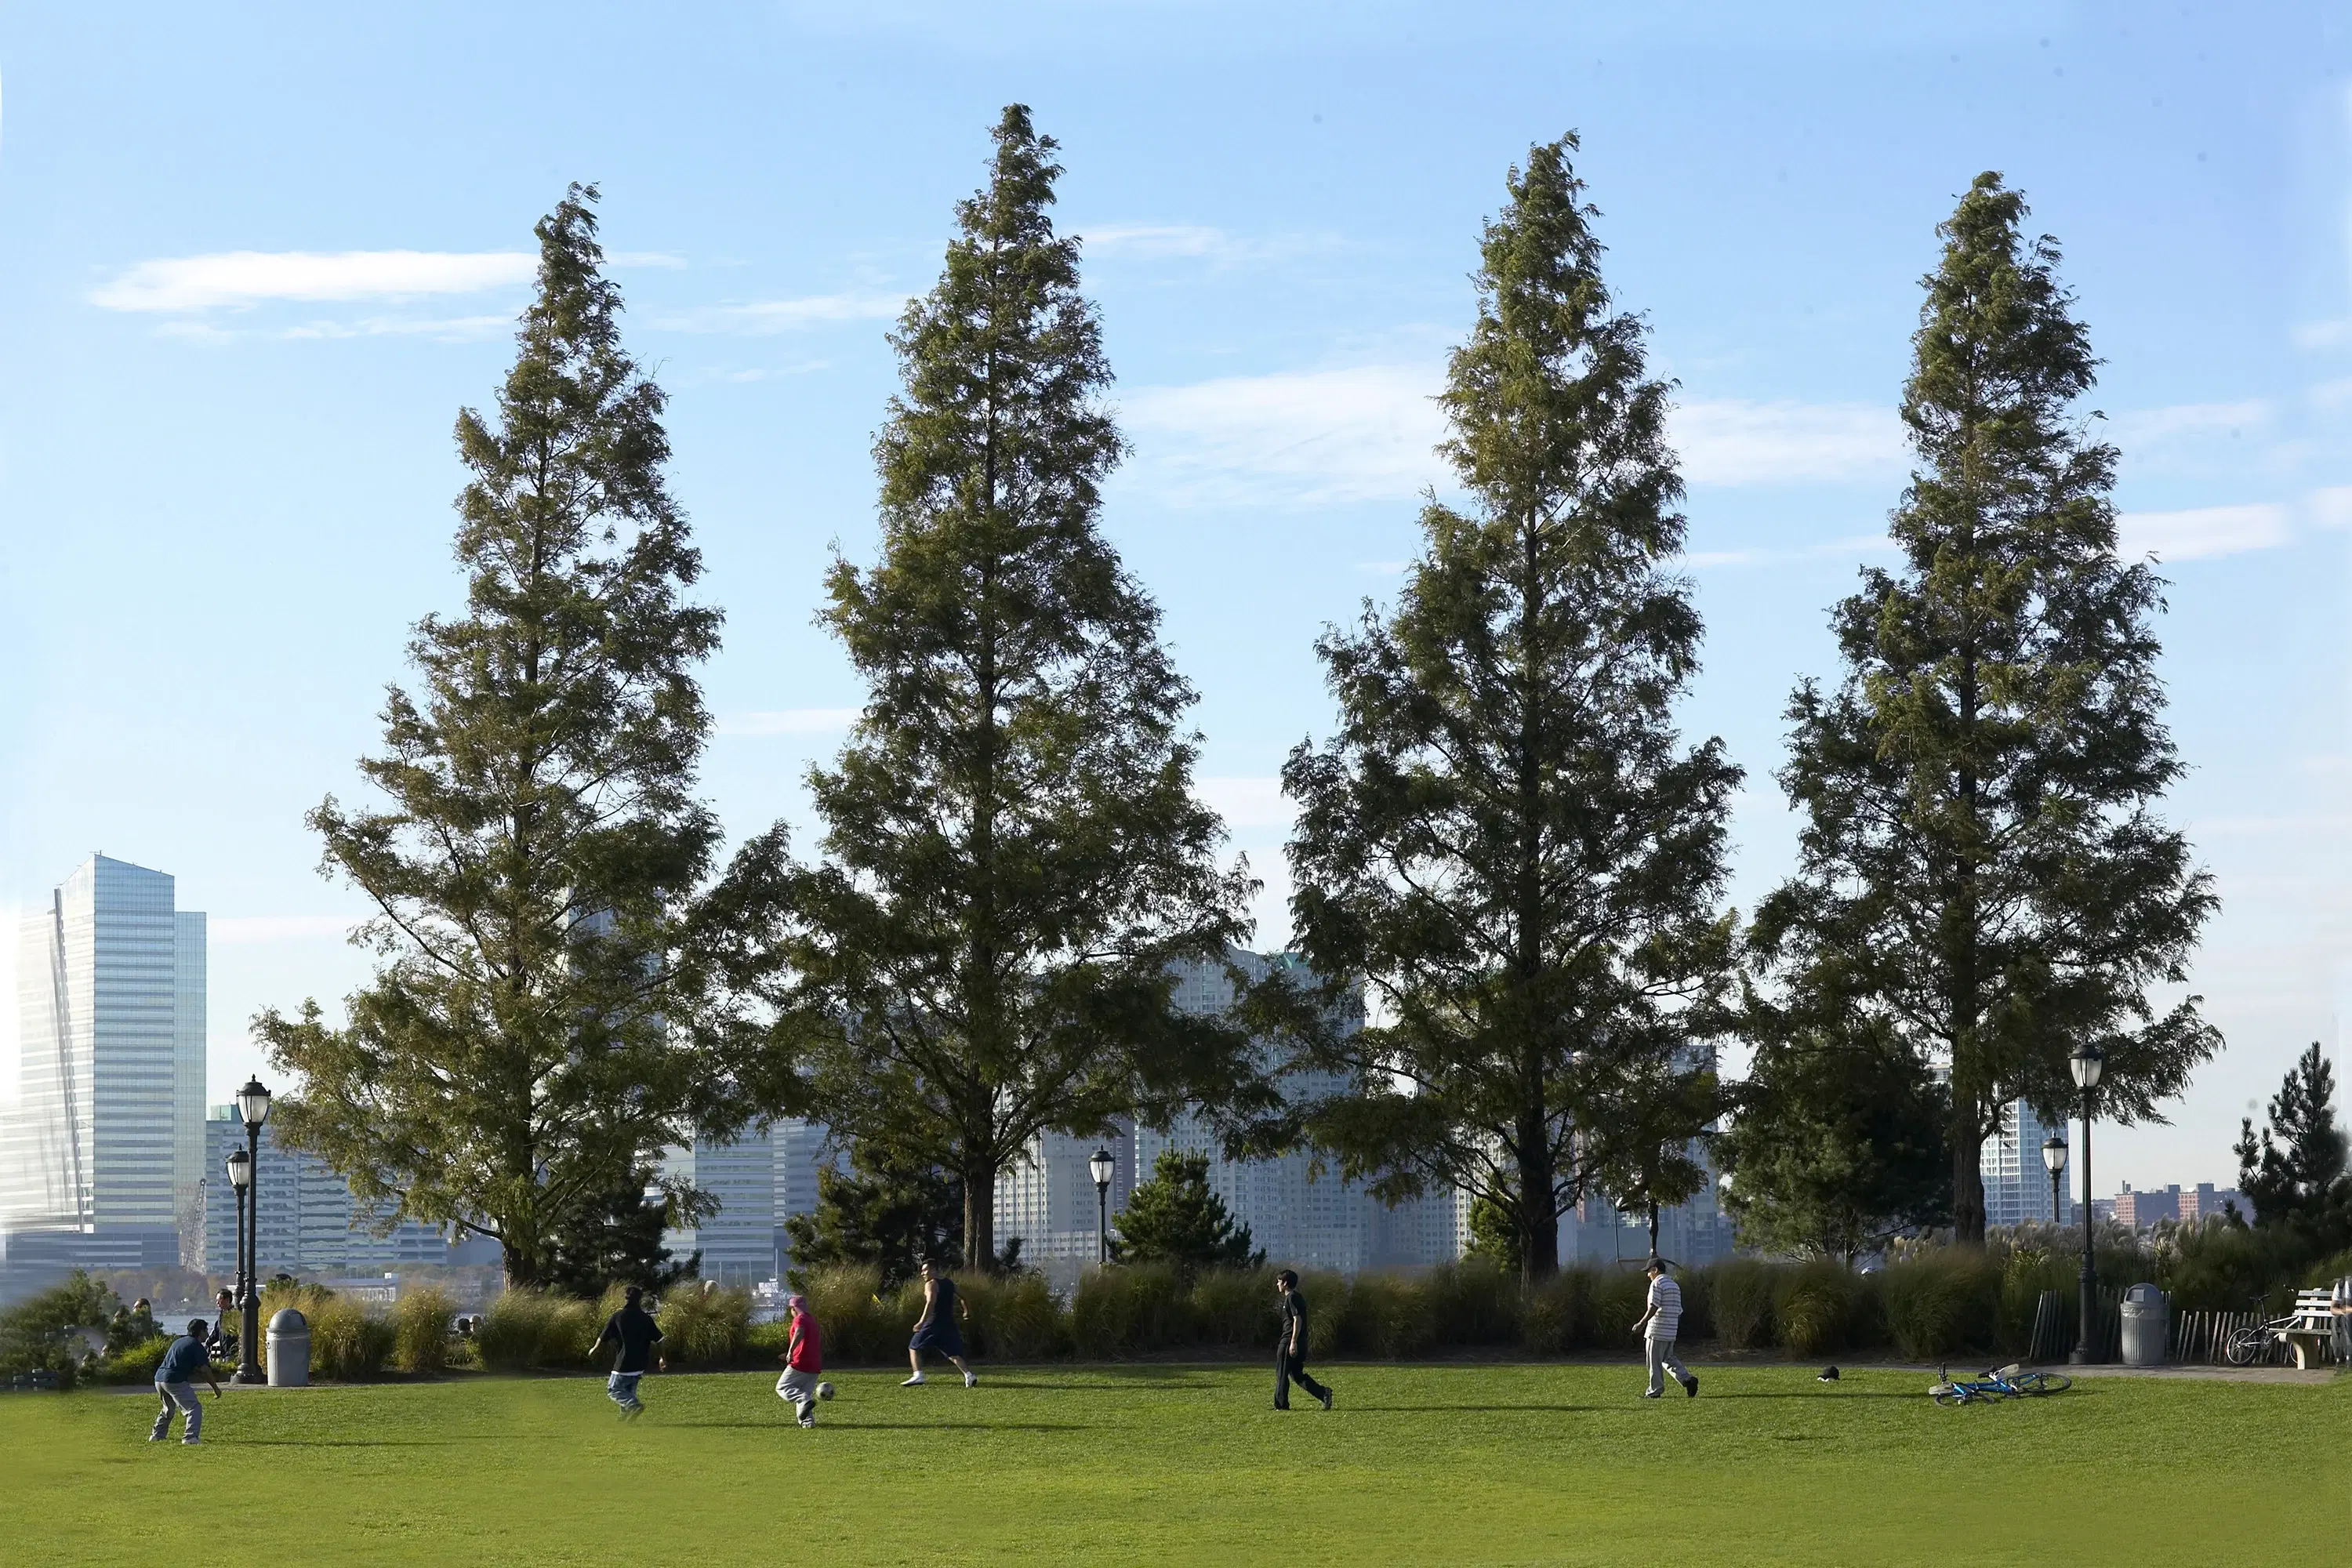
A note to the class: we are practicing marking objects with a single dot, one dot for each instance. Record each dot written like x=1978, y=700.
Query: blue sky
x=254, y=258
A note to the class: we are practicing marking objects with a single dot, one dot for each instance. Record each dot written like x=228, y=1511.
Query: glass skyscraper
x=103, y=1154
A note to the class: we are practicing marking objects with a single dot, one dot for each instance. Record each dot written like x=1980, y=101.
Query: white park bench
x=2311, y=1325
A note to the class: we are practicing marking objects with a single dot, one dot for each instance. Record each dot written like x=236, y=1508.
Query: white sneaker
x=971, y=1378
x=913, y=1381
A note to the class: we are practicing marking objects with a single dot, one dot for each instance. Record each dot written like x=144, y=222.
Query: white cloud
x=251, y=931
x=764, y=316
x=1245, y=802
x=1733, y=441
x=788, y=721
x=451, y=329
x=663, y=259
x=238, y=278
x=1289, y=439
x=2331, y=507
x=1159, y=239
x=2156, y=427
x=2201, y=531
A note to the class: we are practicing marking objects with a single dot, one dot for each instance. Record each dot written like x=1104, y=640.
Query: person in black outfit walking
x=1290, y=1349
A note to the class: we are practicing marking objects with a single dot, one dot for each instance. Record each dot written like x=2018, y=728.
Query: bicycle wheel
x=2039, y=1383
x=2245, y=1347
x=1946, y=1394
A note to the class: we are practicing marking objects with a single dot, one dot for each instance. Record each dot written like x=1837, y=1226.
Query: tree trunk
x=1538, y=1227
x=1653, y=1230
x=1968, y=1173
x=980, y=1220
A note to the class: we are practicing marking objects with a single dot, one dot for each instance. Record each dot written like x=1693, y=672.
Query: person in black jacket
x=633, y=1333
x=1290, y=1347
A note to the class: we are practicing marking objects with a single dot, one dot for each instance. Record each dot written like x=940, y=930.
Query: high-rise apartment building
x=2016, y=1179
x=309, y=1224
x=737, y=1241
x=103, y=1154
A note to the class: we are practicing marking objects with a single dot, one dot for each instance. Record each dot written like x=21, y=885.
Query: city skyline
x=1277, y=226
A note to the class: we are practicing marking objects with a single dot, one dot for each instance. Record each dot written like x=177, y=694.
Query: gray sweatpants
x=182, y=1396
x=1662, y=1362
x=799, y=1387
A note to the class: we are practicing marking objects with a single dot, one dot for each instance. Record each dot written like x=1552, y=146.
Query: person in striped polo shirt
x=1657, y=1325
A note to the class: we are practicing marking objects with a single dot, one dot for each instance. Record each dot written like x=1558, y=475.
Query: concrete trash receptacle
x=2146, y=1326
x=290, y=1349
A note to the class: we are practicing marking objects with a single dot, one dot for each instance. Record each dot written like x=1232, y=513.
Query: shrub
x=134, y=1363
x=1475, y=1302
x=347, y=1342
x=703, y=1328
x=1699, y=1304
x=1017, y=1317
x=1130, y=1309
x=1556, y=1317
x=420, y=1330
x=1813, y=1306
x=1234, y=1307
x=1390, y=1316
x=1327, y=1313
x=1619, y=1296
x=856, y=1324
x=1740, y=1301
x=1941, y=1302
x=525, y=1330
x=764, y=1344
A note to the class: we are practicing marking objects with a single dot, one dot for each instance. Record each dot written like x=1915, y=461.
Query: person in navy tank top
x=939, y=1330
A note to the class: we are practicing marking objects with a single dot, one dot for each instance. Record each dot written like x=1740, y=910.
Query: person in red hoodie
x=803, y=1358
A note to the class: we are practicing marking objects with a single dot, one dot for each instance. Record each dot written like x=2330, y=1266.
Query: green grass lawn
x=1453, y=1464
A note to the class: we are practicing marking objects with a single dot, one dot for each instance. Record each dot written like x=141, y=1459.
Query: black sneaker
x=1647, y=1394
x=1690, y=1385
x=1327, y=1396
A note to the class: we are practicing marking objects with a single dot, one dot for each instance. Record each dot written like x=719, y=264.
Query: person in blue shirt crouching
x=175, y=1383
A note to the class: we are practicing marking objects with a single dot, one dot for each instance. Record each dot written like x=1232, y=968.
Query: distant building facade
x=737, y=1241
x=2016, y=1174
x=309, y=1223
x=2141, y=1210
x=101, y=1158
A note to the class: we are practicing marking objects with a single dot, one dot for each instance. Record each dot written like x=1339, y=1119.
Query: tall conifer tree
x=1013, y=856
x=528, y=1047
x=1982, y=872
x=1507, y=841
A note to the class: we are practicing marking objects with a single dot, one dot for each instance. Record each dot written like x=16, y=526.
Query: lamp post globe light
x=253, y=1105
x=1100, y=1165
x=2086, y=1064
x=2054, y=1158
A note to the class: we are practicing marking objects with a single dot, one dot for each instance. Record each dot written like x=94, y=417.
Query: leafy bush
x=1130, y=1309
x=420, y=1330
x=1740, y=1301
x=44, y=1332
x=1813, y=1306
x=856, y=1323
x=764, y=1344
x=347, y=1342
x=1557, y=1316
x=134, y=1363
x=1327, y=1313
x=702, y=1326
x=525, y=1330
x=1234, y=1308
x=1941, y=1302
x=1699, y=1304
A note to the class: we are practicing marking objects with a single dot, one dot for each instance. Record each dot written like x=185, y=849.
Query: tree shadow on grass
x=1476, y=1409
x=851, y=1426
x=365, y=1442
x=1808, y=1394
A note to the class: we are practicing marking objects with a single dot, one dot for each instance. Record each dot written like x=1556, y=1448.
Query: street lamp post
x=253, y=1105
x=2053, y=1156
x=2088, y=1064
x=1101, y=1166
x=240, y=1179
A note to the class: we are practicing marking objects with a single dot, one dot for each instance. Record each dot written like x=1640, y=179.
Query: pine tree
x=530, y=1041
x=881, y=1212
x=1505, y=841
x=1175, y=1218
x=1013, y=856
x=1981, y=871
x=1837, y=1145
x=2296, y=1176
x=618, y=1241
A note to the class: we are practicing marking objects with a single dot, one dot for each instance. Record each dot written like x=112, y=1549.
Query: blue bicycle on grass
x=2011, y=1382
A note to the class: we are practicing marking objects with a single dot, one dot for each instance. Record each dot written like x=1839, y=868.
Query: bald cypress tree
x=1012, y=856
x=1507, y=843
x=549, y=942
x=1983, y=875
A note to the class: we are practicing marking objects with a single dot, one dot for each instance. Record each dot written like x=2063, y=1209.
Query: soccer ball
x=825, y=1391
